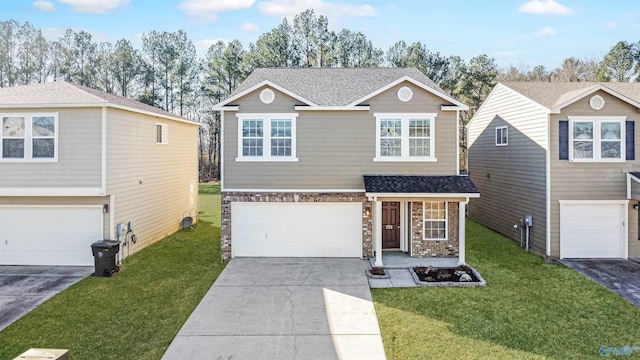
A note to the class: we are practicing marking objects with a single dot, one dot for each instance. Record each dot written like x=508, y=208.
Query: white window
x=434, y=216
x=29, y=137
x=502, y=136
x=162, y=133
x=405, y=137
x=267, y=137
x=597, y=138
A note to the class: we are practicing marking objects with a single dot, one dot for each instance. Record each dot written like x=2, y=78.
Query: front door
x=390, y=225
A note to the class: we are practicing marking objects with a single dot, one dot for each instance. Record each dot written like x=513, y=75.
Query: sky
x=520, y=33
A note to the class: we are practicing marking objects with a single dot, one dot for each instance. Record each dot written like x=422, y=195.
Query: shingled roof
x=413, y=184
x=64, y=94
x=554, y=94
x=334, y=86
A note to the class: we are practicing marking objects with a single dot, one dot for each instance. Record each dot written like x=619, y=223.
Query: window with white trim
x=502, y=136
x=266, y=137
x=162, y=133
x=28, y=137
x=405, y=137
x=434, y=220
x=597, y=138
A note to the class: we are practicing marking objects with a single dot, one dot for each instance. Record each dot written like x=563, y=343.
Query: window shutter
x=630, y=145
x=563, y=138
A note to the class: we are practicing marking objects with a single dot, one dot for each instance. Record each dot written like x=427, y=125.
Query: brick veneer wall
x=229, y=197
x=434, y=248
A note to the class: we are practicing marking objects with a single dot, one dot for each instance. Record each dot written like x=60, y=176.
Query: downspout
x=548, y=187
x=461, y=232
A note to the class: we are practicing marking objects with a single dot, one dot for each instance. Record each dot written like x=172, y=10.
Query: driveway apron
x=23, y=288
x=283, y=308
x=617, y=275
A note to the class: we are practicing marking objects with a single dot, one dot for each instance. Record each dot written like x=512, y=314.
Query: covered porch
x=418, y=217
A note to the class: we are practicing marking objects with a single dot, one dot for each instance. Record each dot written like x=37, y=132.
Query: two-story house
x=564, y=154
x=342, y=163
x=76, y=162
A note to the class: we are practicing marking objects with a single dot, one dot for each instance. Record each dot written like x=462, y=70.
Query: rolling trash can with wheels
x=104, y=255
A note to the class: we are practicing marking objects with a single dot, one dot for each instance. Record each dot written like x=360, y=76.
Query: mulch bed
x=434, y=274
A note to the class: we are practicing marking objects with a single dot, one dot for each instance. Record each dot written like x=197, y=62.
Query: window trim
x=28, y=137
x=164, y=128
x=266, y=137
x=446, y=221
x=404, y=139
x=597, y=141
x=504, y=130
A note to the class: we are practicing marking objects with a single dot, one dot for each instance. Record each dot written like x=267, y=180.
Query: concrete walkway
x=23, y=288
x=618, y=275
x=283, y=308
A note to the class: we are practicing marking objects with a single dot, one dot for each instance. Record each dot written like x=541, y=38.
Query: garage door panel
x=49, y=235
x=592, y=230
x=297, y=229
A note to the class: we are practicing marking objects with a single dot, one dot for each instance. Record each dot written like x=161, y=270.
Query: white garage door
x=591, y=230
x=49, y=235
x=296, y=229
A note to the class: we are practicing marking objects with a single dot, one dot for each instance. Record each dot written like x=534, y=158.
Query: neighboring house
x=75, y=162
x=342, y=163
x=563, y=153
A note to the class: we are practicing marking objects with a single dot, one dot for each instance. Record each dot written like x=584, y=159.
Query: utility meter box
x=528, y=220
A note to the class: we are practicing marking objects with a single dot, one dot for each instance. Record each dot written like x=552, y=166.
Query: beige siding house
x=342, y=163
x=564, y=154
x=76, y=162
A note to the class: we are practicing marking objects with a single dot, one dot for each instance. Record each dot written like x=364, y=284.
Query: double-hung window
x=266, y=137
x=435, y=220
x=502, y=136
x=597, y=138
x=28, y=137
x=405, y=137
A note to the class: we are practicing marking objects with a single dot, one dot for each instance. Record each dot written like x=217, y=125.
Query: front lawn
x=137, y=313
x=529, y=310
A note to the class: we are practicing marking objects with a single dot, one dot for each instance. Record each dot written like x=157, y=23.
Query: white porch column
x=461, y=232
x=377, y=231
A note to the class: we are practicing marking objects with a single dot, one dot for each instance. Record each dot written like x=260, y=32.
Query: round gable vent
x=267, y=96
x=405, y=94
x=596, y=102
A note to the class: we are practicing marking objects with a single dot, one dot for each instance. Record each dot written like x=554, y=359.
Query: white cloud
x=610, y=25
x=249, y=27
x=206, y=11
x=95, y=6
x=54, y=34
x=45, y=6
x=544, y=7
x=545, y=33
x=294, y=7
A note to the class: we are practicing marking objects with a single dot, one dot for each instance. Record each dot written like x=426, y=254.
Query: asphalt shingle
x=405, y=184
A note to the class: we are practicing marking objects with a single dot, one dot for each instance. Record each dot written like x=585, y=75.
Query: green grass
x=529, y=310
x=137, y=313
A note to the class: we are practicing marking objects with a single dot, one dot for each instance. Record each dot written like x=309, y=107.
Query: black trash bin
x=104, y=255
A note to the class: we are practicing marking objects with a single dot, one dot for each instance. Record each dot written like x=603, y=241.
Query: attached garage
x=49, y=235
x=593, y=229
x=296, y=229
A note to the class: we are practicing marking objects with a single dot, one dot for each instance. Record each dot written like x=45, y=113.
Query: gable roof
x=556, y=95
x=335, y=87
x=64, y=94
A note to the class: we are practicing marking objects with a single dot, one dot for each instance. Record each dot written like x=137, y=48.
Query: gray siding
x=335, y=148
x=511, y=179
x=592, y=181
x=79, y=162
x=153, y=184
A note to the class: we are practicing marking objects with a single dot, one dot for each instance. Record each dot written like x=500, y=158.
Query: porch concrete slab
x=401, y=278
x=283, y=308
x=618, y=275
x=23, y=288
x=399, y=260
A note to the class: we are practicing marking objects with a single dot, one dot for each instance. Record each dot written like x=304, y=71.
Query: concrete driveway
x=618, y=275
x=283, y=308
x=23, y=288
